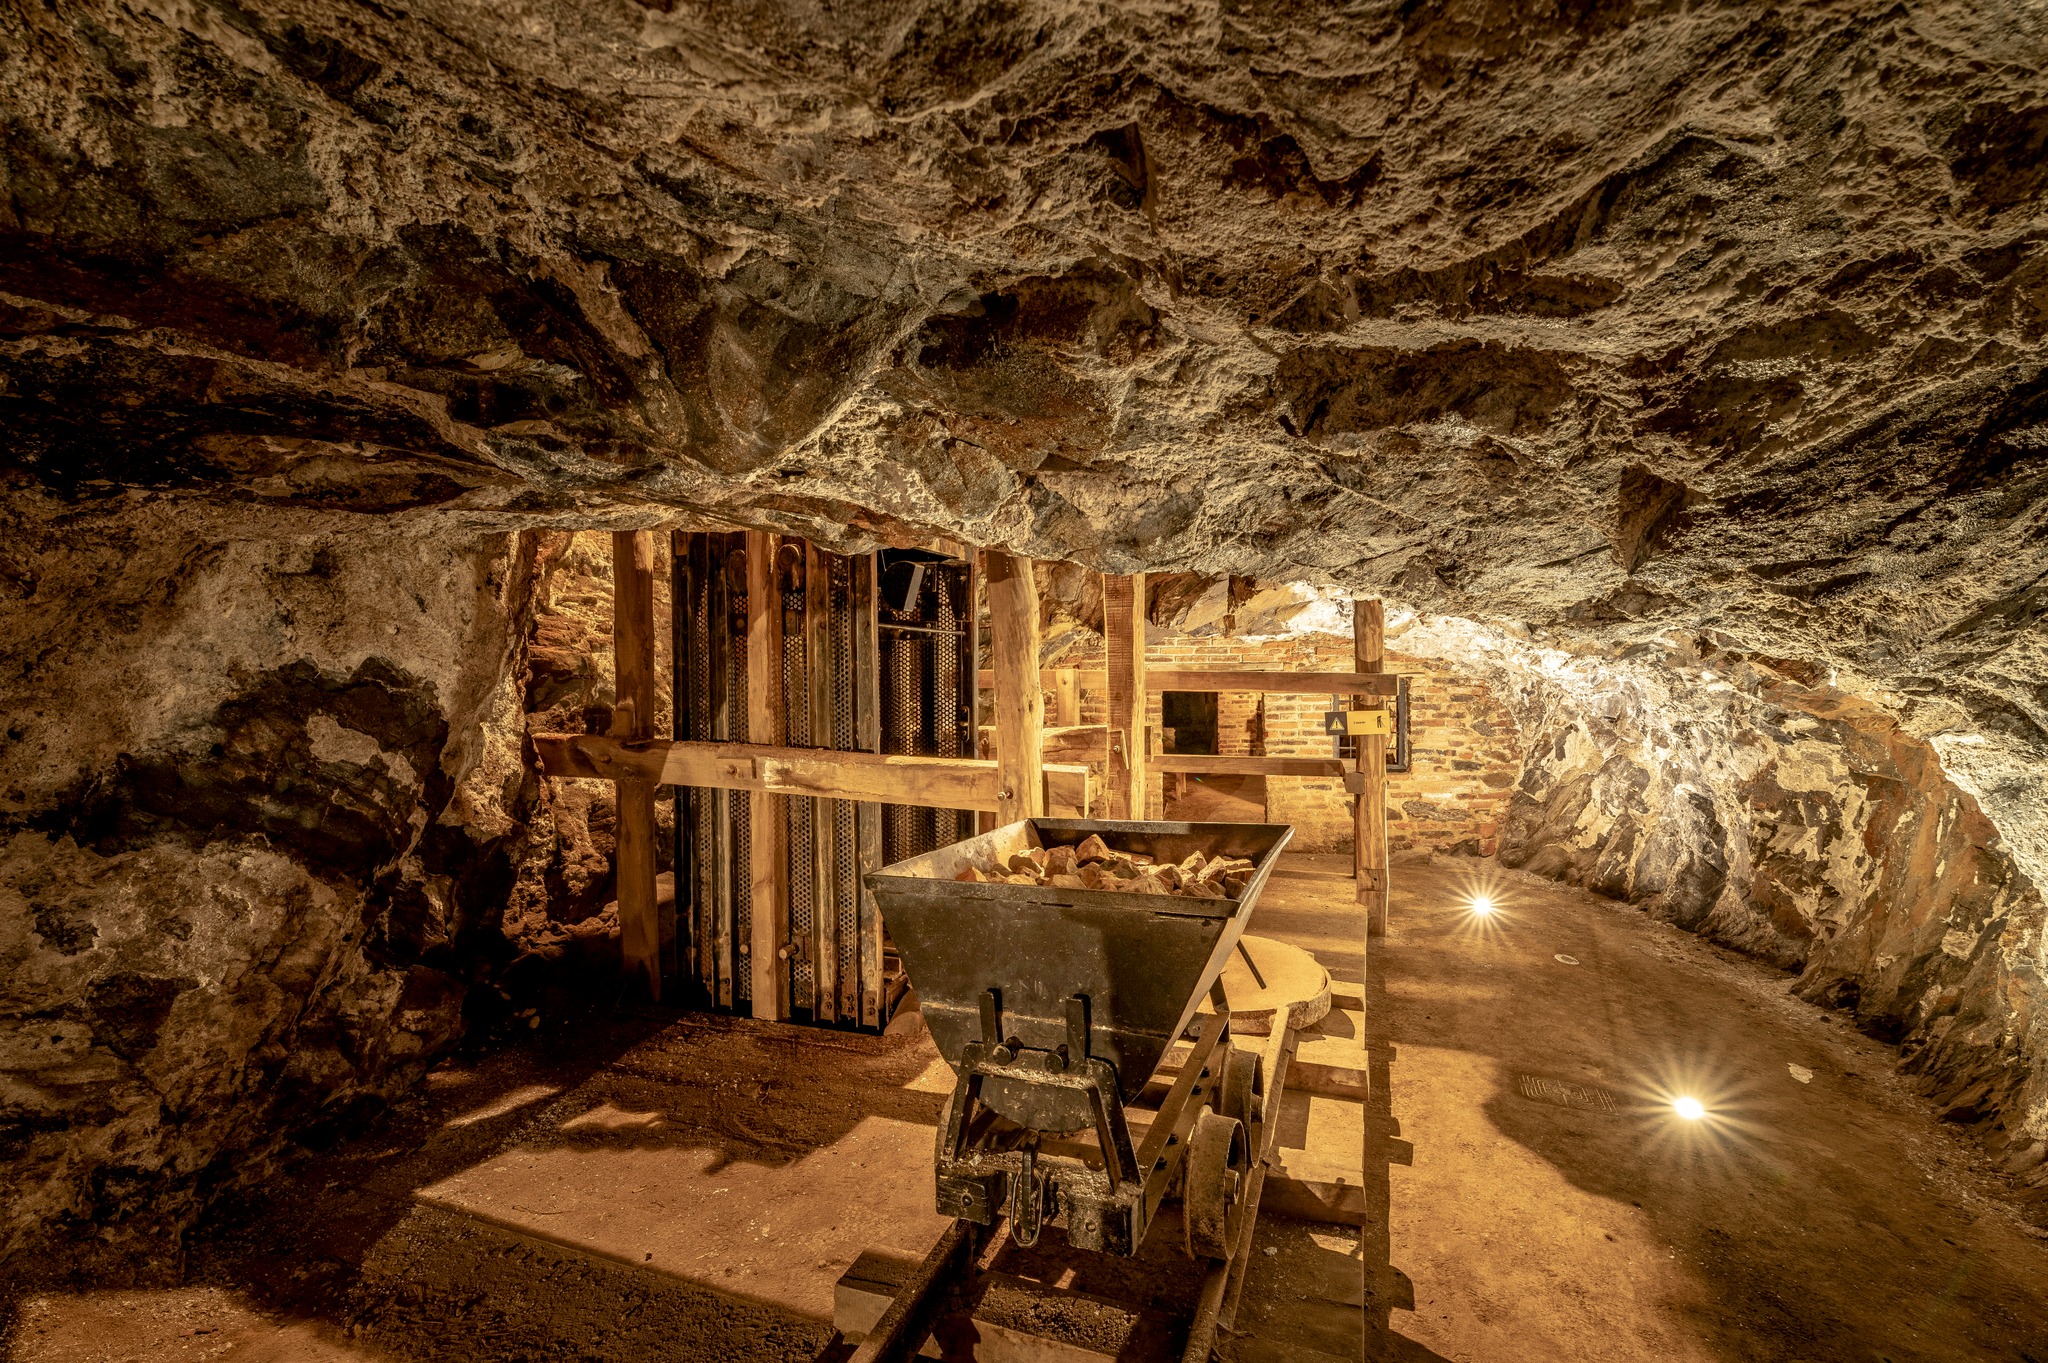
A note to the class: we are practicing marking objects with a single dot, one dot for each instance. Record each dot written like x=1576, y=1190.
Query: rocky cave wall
x=258, y=797
x=1748, y=799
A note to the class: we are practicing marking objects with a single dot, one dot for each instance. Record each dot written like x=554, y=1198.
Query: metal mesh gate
x=845, y=685
x=926, y=633
x=711, y=685
x=800, y=867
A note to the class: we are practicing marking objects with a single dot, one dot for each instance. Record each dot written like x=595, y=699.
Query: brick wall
x=1465, y=751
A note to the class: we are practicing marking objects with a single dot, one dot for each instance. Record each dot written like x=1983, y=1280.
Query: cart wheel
x=1243, y=1092
x=1216, y=1162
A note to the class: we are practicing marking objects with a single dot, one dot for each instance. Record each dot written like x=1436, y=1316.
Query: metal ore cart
x=1054, y=1008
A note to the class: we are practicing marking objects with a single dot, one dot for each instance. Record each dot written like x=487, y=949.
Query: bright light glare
x=1485, y=908
x=1689, y=1108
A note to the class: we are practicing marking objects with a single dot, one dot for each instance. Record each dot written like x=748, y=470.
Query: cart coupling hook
x=1027, y=1200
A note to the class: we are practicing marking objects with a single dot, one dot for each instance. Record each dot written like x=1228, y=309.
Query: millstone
x=1294, y=981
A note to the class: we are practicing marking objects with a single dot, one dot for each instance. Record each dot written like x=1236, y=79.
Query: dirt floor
x=1543, y=1199
x=1535, y=1196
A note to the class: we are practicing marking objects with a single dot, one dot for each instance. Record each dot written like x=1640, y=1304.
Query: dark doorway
x=1189, y=721
x=1212, y=798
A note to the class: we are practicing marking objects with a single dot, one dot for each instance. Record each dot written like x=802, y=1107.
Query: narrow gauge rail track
x=945, y=1283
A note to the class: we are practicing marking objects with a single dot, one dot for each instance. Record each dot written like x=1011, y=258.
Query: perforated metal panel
x=738, y=991
x=906, y=829
x=927, y=647
x=845, y=855
x=693, y=660
x=710, y=683
x=845, y=685
x=800, y=866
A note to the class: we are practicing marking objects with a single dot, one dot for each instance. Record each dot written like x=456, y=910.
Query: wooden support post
x=767, y=972
x=1369, y=819
x=1020, y=704
x=1067, y=698
x=1123, y=646
x=633, y=717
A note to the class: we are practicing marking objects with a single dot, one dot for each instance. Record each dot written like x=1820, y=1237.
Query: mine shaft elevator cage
x=878, y=654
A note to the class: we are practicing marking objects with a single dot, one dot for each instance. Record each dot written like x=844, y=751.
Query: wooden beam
x=1123, y=646
x=909, y=1317
x=1049, y=678
x=1066, y=697
x=1268, y=682
x=768, y=833
x=1076, y=743
x=1069, y=791
x=633, y=718
x=1328, y=1080
x=1232, y=765
x=1020, y=704
x=1369, y=816
x=1308, y=1188
x=1274, y=683
x=884, y=778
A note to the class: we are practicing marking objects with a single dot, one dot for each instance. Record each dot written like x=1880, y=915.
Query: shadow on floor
x=1817, y=1210
x=334, y=1260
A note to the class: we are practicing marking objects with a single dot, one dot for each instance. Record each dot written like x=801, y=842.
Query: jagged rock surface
x=1747, y=799
x=257, y=802
x=1704, y=315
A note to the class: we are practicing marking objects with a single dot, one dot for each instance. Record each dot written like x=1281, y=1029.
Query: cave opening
x=770, y=681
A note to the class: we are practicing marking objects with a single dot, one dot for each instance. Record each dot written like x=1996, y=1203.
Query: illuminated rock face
x=1790, y=820
x=1621, y=325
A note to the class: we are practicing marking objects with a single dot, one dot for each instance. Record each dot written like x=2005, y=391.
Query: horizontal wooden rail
x=1064, y=743
x=1275, y=683
x=934, y=782
x=1048, y=677
x=1213, y=764
x=1085, y=743
x=1268, y=682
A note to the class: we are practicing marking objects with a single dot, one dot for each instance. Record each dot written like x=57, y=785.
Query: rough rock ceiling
x=1613, y=317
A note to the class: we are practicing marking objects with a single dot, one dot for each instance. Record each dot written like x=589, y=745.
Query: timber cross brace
x=787, y=662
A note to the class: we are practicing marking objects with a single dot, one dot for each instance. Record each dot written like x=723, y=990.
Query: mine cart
x=1056, y=961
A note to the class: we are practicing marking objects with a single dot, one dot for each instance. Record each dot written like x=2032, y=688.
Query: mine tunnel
x=1023, y=681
